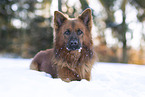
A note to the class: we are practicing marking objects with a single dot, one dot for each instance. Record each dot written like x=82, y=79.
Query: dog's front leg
x=67, y=74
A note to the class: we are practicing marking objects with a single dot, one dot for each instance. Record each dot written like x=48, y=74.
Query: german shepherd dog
x=72, y=56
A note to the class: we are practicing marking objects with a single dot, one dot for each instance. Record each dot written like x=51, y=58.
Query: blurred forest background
x=26, y=27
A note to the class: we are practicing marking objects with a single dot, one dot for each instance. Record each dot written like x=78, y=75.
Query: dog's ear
x=59, y=18
x=86, y=17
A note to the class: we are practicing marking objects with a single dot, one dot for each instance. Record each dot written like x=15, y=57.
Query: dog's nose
x=73, y=42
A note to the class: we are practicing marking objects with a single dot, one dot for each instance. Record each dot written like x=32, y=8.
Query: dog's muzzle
x=73, y=44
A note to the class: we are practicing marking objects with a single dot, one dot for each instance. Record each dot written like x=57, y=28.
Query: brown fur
x=67, y=64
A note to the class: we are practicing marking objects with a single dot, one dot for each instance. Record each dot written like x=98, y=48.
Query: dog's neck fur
x=75, y=57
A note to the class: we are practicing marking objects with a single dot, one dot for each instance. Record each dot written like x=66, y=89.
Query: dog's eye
x=67, y=32
x=79, y=32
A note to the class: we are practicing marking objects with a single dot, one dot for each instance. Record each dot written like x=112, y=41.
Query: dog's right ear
x=86, y=17
x=59, y=19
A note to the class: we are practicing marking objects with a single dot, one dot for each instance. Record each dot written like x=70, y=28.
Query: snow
x=108, y=80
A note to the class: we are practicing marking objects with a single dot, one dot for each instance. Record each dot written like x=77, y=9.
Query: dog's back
x=43, y=62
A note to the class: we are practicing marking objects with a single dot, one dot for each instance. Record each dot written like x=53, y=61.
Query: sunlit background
x=26, y=27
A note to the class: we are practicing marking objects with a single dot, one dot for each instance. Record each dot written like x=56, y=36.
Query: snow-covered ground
x=108, y=80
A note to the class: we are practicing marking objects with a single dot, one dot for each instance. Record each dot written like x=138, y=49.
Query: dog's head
x=73, y=33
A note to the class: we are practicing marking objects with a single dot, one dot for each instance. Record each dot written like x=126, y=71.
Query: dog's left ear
x=86, y=17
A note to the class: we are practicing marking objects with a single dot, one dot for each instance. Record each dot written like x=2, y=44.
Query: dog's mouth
x=73, y=49
x=70, y=47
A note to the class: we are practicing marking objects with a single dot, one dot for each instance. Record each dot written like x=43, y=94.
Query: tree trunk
x=59, y=5
x=124, y=30
x=124, y=56
x=84, y=4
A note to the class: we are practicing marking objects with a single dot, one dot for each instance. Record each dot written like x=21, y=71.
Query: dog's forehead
x=74, y=24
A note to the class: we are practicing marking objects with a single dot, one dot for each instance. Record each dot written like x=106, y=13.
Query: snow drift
x=108, y=80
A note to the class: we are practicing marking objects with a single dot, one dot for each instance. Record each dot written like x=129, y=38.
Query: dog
x=72, y=56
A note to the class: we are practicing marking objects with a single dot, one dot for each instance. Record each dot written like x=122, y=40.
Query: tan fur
x=34, y=66
x=61, y=62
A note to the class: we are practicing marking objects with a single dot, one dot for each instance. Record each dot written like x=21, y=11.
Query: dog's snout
x=73, y=42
